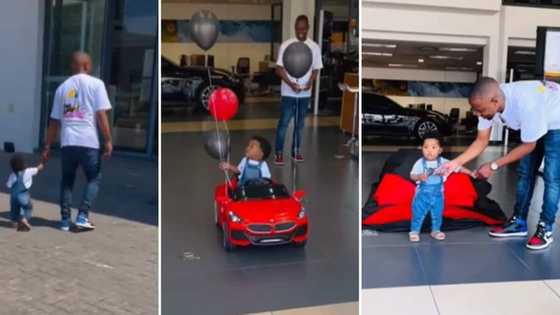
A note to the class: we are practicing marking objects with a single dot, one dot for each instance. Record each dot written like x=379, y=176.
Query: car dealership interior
x=417, y=77
x=198, y=260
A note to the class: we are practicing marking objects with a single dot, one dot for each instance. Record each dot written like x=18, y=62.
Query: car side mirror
x=299, y=194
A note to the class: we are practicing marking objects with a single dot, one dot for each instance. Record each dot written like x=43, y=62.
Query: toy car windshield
x=260, y=189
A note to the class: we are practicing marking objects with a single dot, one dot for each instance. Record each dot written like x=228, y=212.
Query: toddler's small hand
x=424, y=177
x=224, y=166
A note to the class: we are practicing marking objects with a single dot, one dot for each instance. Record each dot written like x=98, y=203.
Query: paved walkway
x=112, y=270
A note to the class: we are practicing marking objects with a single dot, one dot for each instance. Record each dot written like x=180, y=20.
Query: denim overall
x=250, y=172
x=428, y=198
x=20, y=201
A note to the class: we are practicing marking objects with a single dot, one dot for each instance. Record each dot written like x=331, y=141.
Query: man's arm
x=103, y=122
x=283, y=75
x=52, y=133
x=309, y=83
x=476, y=148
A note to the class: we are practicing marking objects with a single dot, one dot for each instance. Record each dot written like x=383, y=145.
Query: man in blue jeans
x=80, y=111
x=295, y=92
x=533, y=108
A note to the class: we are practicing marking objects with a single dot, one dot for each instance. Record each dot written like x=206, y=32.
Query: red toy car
x=260, y=212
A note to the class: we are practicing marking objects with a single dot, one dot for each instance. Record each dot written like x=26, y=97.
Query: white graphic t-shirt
x=530, y=106
x=76, y=102
x=316, y=64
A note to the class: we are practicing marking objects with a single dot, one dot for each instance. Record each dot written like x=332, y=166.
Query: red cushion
x=459, y=191
x=394, y=190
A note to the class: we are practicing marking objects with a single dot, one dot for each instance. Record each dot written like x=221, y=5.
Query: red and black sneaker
x=542, y=238
x=514, y=227
x=297, y=157
x=279, y=159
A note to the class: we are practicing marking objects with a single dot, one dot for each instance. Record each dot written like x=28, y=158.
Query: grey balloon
x=205, y=29
x=297, y=59
x=217, y=144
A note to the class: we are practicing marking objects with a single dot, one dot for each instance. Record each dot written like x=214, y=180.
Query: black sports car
x=384, y=117
x=189, y=86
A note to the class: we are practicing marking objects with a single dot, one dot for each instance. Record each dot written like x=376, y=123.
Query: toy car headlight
x=301, y=213
x=233, y=217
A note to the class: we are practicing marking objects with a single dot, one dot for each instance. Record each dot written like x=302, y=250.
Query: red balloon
x=223, y=104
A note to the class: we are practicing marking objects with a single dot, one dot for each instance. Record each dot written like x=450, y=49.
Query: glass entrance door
x=71, y=25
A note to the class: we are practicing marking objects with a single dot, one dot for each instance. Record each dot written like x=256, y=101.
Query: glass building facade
x=121, y=37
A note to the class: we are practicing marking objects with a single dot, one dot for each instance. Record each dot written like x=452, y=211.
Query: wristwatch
x=494, y=166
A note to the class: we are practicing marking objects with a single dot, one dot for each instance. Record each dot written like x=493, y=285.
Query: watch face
x=494, y=166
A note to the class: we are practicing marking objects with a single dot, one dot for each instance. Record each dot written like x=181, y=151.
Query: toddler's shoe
x=438, y=235
x=514, y=227
x=84, y=223
x=542, y=238
x=23, y=225
x=414, y=237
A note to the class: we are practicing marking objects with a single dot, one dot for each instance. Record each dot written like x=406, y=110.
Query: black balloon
x=218, y=144
x=297, y=59
x=204, y=29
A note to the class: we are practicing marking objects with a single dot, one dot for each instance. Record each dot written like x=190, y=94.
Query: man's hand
x=307, y=86
x=447, y=168
x=484, y=171
x=295, y=87
x=108, y=150
x=45, y=154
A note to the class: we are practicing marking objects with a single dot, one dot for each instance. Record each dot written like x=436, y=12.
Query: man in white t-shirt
x=80, y=111
x=533, y=108
x=295, y=92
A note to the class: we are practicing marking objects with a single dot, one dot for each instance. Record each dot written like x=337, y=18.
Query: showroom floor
x=195, y=268
x=432, y=275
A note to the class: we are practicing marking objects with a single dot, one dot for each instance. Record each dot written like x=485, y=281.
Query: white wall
x=21, y=50
x=225, y=54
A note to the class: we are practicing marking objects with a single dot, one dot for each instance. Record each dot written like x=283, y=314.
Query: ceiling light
x=392, y=46
x=441, y=57
x=524, y=52
x=479, y=63
x=376, y=53
x=401, y=65
x=420, y=60
x=457, y=49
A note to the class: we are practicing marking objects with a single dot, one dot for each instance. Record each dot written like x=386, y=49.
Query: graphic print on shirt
x=72, y=110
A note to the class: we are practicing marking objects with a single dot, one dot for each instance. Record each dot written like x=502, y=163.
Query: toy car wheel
x=228, y=246
x=300, y=244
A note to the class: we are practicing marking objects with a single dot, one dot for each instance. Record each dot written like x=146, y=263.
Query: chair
x=184, y=62
x=243, y=68
x=454, y=115
x=429, y=107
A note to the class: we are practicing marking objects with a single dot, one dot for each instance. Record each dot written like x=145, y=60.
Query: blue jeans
x=548, y=147
x=89, y=160
x=428, y=198
x=296, y=108
x=20, y=206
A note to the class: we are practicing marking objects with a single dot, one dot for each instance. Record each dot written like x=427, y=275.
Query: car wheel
x=425, y=127
x=203, y=94
x=300, y=244
x=228, y=246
